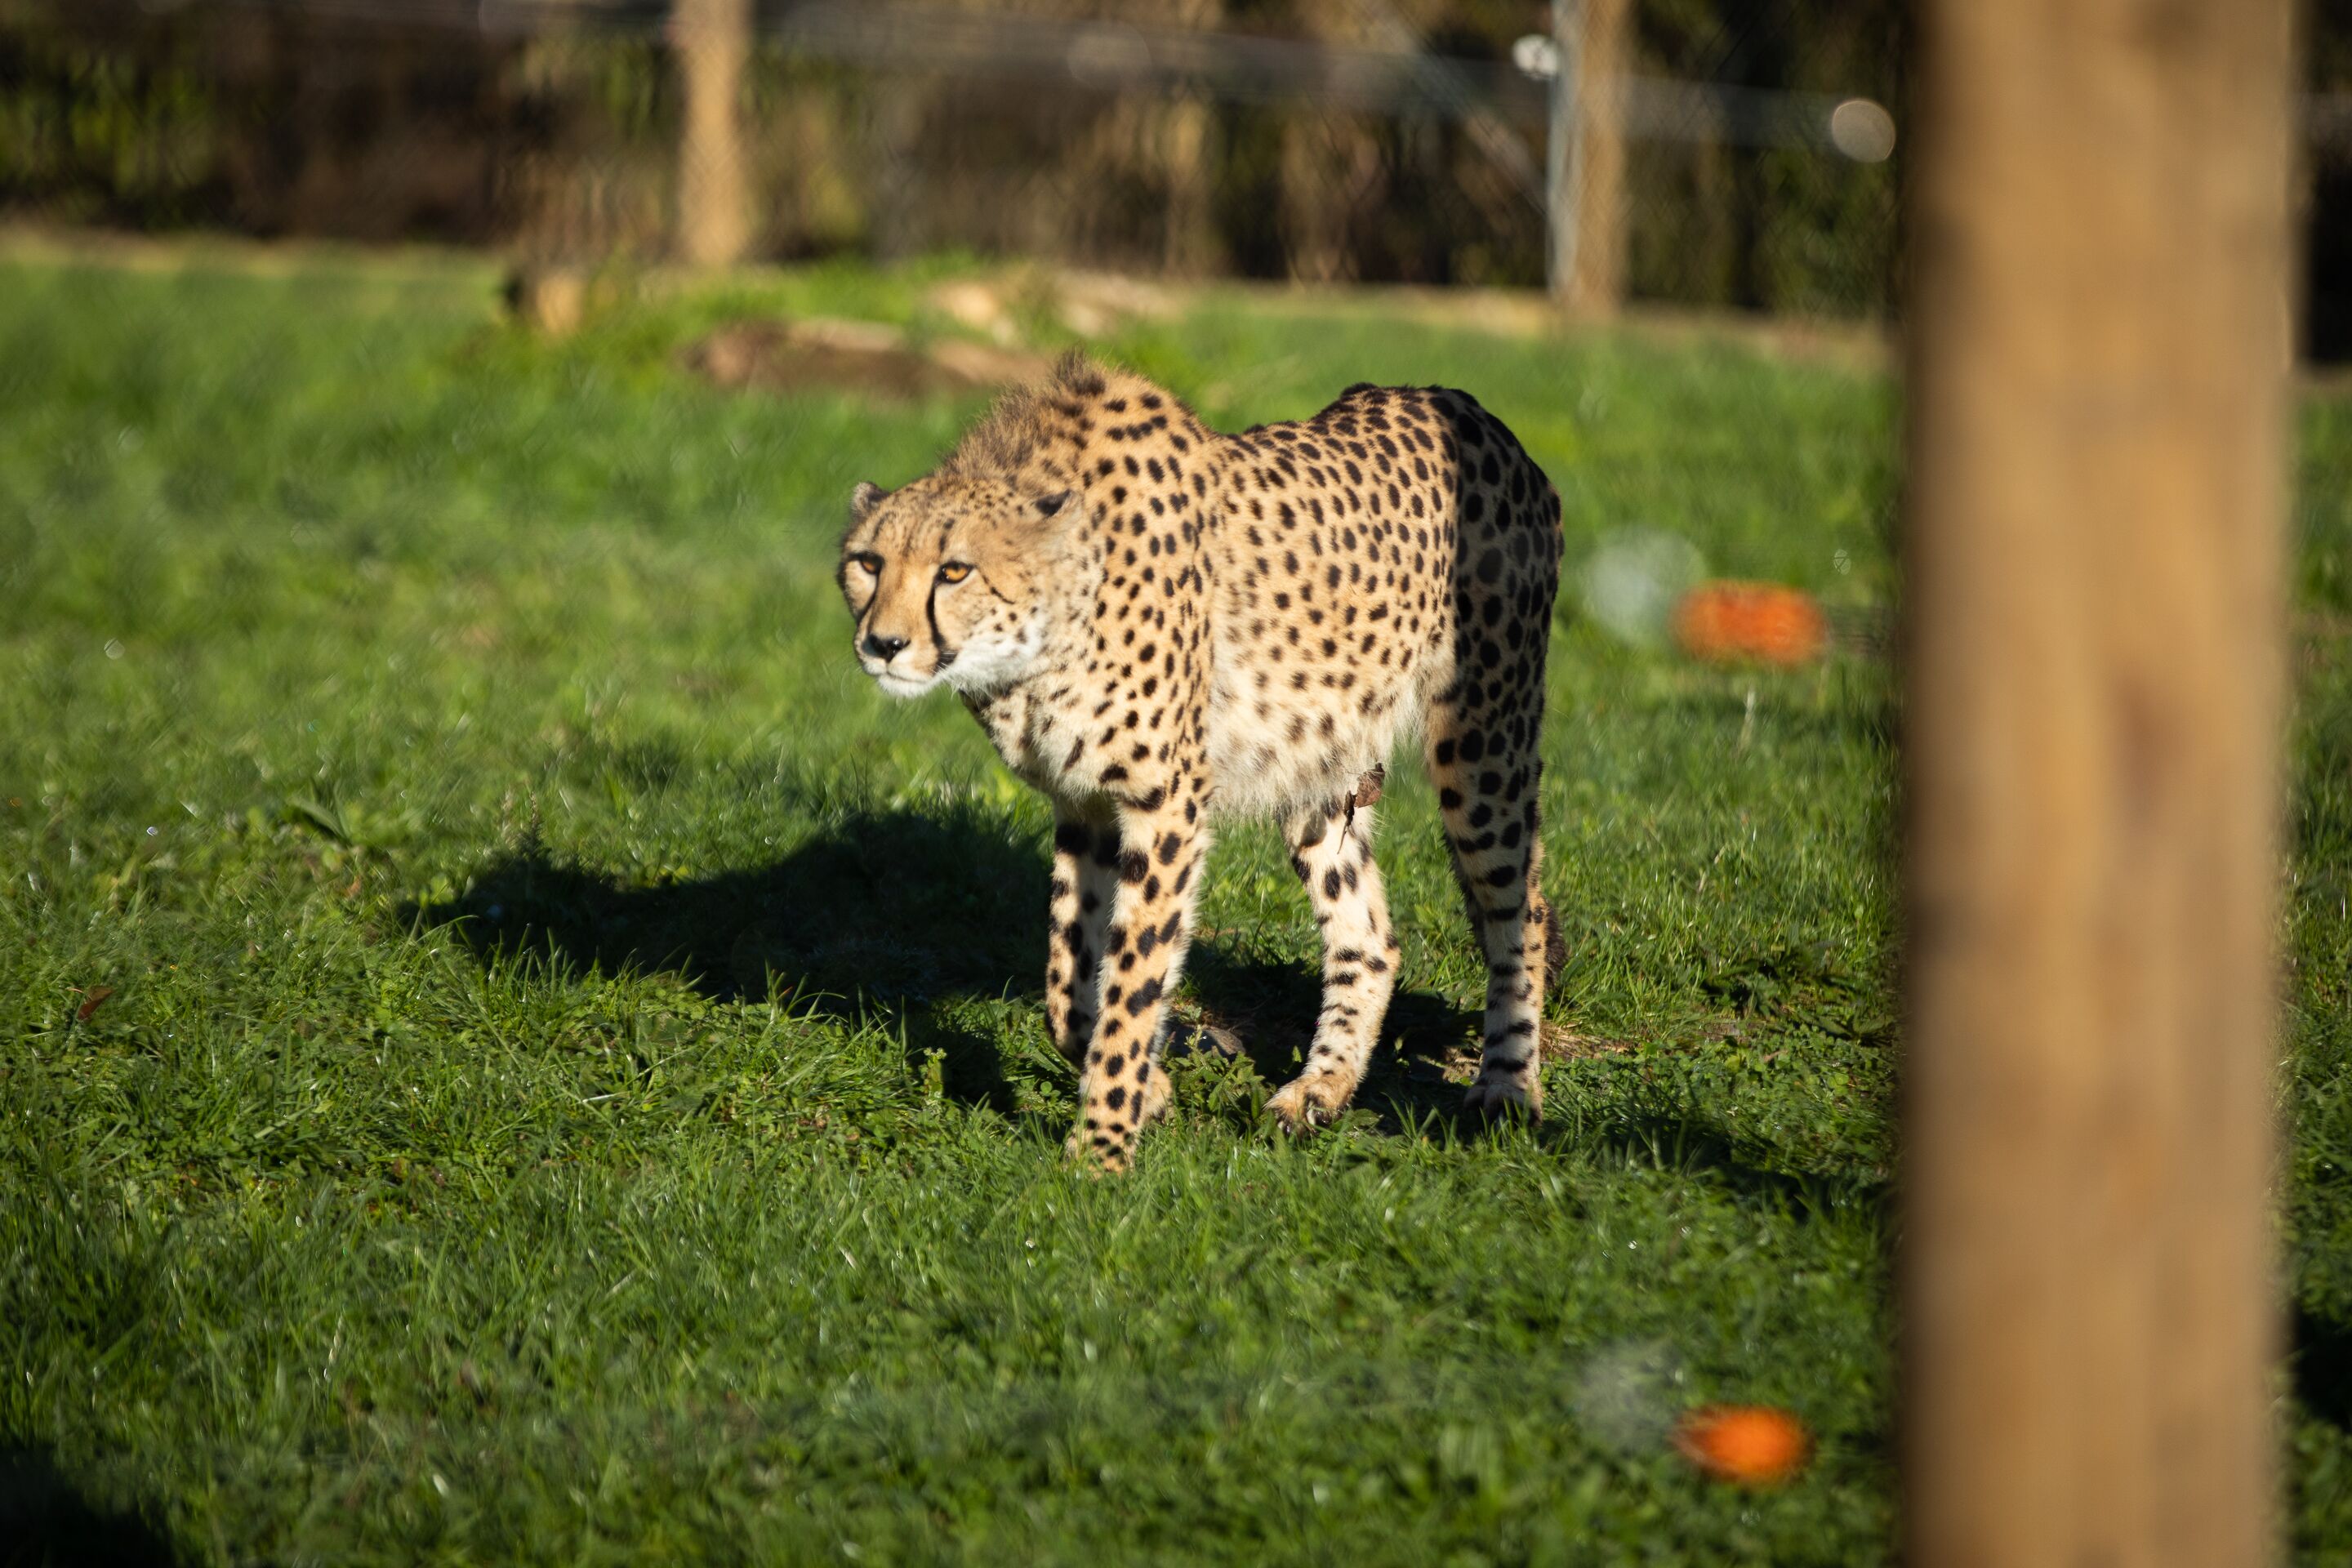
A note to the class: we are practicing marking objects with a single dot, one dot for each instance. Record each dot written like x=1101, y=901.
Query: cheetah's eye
x=868, y=562
x=954, y=571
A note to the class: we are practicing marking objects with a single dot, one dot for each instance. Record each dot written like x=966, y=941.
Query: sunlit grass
x=509, y=1048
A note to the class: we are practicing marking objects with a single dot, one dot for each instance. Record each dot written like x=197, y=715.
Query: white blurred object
x=1666, y=110
x=1628, y=1394
x=1633, y=580
x=1863, y=130
x=1108, y=56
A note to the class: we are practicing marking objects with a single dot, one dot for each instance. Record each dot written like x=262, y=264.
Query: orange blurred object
x=1755, y=1444
x=1730, y=620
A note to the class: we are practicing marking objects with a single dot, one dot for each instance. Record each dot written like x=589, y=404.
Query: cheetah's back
x=1397, y=545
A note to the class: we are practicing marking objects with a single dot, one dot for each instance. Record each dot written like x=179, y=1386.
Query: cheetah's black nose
x=882, y=648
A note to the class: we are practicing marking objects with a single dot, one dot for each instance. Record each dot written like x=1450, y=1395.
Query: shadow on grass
x=46, y=1521
x=1693, y=1145
x=1428, y=1043
x=892, y=908
x=1272, y=1007
x=2322, y=1352
x=905, y=910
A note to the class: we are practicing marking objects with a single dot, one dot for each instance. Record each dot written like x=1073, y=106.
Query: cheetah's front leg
x=1085, y=881
x=1123, y=1086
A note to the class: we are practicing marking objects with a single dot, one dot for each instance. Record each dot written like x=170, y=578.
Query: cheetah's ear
x=1050, y=506
x=864, y=498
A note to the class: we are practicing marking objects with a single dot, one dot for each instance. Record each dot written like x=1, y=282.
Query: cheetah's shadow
x=47, y=1518
x=906, y=912
x=890, y=910
x=1268, y=1008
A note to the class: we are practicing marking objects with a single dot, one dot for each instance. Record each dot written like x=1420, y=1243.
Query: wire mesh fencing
x=1330, y=140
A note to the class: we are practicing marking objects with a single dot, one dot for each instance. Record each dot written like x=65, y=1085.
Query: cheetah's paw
x=1096, y=1155
x=1152, y=1099
x=1492, y=1099
x=1306, y=1103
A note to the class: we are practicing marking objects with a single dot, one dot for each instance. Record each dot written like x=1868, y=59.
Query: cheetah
x=1161, y=627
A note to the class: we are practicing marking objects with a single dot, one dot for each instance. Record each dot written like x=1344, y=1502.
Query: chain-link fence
x=1324, y=140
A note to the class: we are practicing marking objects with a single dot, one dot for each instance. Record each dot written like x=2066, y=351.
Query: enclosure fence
x=1733, y=155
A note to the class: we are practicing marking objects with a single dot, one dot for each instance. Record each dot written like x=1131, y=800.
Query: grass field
x=511, y=1049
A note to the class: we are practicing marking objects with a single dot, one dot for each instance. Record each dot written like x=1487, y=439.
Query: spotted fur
x=1160, y=626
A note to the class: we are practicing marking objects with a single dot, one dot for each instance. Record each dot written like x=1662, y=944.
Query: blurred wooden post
x=1586, y=156
x=1189, y=247
x=713, y=40
x=2098, y=408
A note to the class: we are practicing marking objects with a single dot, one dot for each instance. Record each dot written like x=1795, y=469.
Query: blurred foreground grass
x=510, y=1048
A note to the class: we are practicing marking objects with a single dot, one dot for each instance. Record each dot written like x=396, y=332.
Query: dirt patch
x=1558, y=1043
x=1555, y=1043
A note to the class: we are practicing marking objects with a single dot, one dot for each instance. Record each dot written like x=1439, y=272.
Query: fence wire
x=1326, y=140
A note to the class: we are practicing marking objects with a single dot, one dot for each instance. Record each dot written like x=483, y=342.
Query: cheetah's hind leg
x=1331, y=851
x=1487, y=780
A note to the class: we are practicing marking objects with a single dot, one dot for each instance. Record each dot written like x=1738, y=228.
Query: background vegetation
x=345, y=121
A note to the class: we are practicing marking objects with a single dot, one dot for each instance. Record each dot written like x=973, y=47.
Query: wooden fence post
x=2098, y=405
x=713, y=42
x=1585, y=167
x=1189, y=242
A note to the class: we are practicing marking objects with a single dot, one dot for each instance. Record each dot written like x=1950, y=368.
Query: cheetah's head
x=944, y=579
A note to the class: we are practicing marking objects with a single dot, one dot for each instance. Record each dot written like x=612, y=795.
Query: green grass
x=574, y=1086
